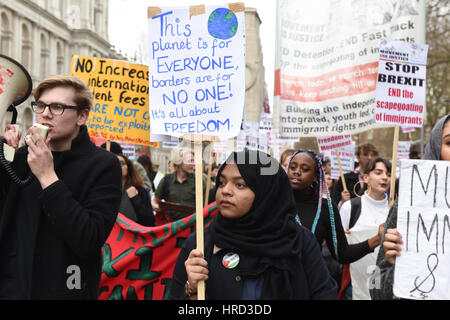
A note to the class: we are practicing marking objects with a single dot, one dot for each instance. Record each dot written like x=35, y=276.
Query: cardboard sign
x=120, y=88
x=197, y=70
x=422, y=271
x=400, y=93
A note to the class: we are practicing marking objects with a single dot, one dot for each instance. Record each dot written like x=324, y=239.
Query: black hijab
x=267, y=238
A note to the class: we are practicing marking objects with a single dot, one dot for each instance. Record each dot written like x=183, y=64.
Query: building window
x=26, y=47
x=59, y=59
x=5, y=35
x=44, y=56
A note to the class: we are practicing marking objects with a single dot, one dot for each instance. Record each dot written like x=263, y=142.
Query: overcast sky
x=128, y=23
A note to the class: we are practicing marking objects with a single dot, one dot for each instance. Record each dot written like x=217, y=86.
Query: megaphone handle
x=13, y=109
x=15, y=179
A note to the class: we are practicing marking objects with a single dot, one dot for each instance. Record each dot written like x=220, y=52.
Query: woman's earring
x=361, y=186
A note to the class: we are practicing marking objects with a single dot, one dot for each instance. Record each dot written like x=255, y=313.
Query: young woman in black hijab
x=254, y=249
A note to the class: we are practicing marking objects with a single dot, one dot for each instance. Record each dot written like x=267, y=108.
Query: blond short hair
x=83, y=95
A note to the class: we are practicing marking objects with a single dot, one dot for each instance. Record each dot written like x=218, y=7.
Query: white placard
x=197, y=70
x=347, y=157
x=422, y=271
x=400, y=92
x=402, y=153
x=128, y=149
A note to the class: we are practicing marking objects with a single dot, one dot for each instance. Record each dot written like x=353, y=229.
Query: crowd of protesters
x=290, y=230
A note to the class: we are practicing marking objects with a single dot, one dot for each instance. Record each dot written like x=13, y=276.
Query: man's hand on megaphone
x=12, y=135
x=40, y=158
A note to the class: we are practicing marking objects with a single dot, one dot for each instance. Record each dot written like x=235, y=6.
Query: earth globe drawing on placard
x=222, y=24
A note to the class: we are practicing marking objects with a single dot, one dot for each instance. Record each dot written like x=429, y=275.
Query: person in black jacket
x=321, y=215
x=52, y=230
x=135, y=203
x=254, y=249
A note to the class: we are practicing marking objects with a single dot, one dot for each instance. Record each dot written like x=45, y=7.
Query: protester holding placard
x=364, y=216
x=254, y=249
x=438, y=148
x=320, y=215
x=135, y=203
x=354, y=179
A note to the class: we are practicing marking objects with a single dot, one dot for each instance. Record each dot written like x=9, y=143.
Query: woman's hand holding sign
x=390, y=245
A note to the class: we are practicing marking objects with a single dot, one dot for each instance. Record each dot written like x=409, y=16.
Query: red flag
x=138, y=261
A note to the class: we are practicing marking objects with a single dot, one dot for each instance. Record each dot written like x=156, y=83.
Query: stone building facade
x=44, y=34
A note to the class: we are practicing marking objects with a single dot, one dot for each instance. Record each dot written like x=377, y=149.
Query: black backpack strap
x=355, y=211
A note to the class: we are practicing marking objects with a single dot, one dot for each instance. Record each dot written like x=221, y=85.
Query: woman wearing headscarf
x=438, y=148
x=254, y=249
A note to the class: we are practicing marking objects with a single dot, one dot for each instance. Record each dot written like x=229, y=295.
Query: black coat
x=312, y=280
x=74, y=218
x=143, y=208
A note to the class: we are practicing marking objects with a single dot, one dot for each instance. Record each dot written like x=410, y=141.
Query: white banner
x=327, y=61
x=197, y=70
x=422, y=271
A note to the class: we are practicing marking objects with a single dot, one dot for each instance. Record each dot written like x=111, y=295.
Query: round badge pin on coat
x=230, y=260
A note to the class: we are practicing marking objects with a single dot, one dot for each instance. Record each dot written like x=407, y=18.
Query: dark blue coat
x=311, y=282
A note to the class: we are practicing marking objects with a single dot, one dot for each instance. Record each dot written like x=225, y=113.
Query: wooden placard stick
x=198, y=156
x=208, y=181
x=394, y=166
x=344, y=184
x=108, y=145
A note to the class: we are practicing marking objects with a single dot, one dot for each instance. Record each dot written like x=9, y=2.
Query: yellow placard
x=120, y=110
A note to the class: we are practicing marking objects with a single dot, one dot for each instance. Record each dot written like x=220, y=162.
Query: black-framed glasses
x=56, y=109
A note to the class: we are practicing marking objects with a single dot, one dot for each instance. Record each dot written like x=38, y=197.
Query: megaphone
x=15, y=88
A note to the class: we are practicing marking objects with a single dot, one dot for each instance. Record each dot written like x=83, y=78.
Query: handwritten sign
x=197, y=70
x=400, y=92
x=333, y=142
x=120, y=110
x=422, y=271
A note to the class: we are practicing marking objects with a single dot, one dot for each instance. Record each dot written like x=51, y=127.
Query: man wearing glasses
x=53, y=229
